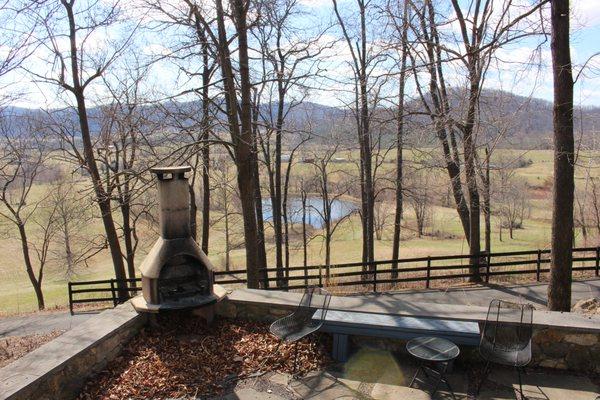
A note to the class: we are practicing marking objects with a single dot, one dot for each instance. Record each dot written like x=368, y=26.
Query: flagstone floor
x=379, y=375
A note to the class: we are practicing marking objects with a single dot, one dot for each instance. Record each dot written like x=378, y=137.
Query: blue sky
x=509, y=75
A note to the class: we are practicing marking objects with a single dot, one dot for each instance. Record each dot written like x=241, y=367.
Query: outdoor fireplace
x=176, y=273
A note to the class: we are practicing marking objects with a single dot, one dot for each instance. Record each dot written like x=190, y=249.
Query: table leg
x=442, y=379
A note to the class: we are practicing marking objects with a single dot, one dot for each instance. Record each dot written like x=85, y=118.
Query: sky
x=165, y=78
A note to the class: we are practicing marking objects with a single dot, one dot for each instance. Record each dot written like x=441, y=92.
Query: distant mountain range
x=522, y=122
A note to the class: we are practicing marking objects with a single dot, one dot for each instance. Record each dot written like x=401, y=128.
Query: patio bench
x=344, y=323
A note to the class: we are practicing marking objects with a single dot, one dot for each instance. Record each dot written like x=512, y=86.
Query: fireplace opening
x=183, y=279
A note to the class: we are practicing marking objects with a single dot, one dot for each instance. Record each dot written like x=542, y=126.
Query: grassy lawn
x=443, y=235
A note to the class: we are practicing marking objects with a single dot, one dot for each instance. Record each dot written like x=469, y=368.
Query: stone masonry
x=58, y=369
x=565, y=349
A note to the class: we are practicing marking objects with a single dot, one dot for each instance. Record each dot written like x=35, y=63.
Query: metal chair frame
x=300, y=323
x=517, y=353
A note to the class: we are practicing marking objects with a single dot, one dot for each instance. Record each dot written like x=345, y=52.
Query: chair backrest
x=313, y=298
x=508, y=325
x=321, y=301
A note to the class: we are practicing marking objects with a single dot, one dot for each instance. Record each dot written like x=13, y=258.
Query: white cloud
x=585, y=13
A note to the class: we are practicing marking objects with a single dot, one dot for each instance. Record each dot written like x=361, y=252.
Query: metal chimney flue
x=174, y=201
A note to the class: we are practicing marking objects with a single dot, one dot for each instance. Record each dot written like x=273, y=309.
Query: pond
x=314, y=210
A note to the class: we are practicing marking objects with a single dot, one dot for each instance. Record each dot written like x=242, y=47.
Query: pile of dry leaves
x=13, y=347
x=181, y=357
x=588, y=306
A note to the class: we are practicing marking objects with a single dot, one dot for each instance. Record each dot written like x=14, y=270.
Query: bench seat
x=344, y=323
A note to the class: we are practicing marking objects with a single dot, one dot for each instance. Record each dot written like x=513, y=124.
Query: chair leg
x=522, y=396
x=295, y=357
x=486, y=371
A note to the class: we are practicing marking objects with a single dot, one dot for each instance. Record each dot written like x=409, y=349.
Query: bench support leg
x=340, y=347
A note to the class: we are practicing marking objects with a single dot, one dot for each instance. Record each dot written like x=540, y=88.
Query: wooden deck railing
x=374, y=276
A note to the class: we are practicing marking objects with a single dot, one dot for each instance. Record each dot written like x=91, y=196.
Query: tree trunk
x=193, y=210
x=67, y=237
x=304, y=239
x=205, y=199
x=227, y=246
x=284, y=209
x=400, y=145
x=276, y=196
x=36, y=283
x=559, y=288
x=368, y=195
x=127, y=237
x=102, y=198
x=471, y=178
x=205, y=151
x=440, y=116
x=487, y=212
x=241, y=133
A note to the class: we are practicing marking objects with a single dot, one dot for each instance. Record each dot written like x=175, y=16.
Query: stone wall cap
x=52, y=356
x=387, y=304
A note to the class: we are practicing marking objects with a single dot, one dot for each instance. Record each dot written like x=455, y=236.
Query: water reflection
x=314, y=211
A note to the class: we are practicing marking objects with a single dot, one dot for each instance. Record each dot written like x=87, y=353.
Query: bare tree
x=239, y=119
x=401, y=29
x=288, y=59
x=595, y=200
x=419, y=197
x=73, y=68
x=22, y=160
x=559, y=288
x=484, y=27
x=380, y=220
x=362, y=62
x=330, y=192
x=73, y=214
x=511, y=196
x=188, y=51
x=224, y=196
x=126, y=144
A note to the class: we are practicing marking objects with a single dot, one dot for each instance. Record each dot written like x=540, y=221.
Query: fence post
x=320, y=276
x=70, y=298
x=597, y=261
x=428, y=272
x=375, y=279
x=266, y=280
x=488, y=260
x=112, y=290
x=539, y=265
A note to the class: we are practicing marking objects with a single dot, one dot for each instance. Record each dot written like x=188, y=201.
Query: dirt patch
x=14, y=347
x=181, y=357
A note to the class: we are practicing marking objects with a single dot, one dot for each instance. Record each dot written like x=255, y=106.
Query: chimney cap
x=171, y=170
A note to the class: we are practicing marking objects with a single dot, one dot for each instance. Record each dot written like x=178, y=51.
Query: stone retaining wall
x=564, y=349
x=572, y=349
x=58, y=369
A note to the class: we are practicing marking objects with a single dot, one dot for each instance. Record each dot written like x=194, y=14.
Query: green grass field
x=443, y=235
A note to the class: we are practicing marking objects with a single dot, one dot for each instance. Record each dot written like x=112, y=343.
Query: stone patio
x=379, y=375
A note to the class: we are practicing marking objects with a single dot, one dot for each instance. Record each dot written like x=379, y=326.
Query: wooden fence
x=377, y=276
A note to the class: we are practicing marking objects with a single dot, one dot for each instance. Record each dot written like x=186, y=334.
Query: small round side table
x=435, y=355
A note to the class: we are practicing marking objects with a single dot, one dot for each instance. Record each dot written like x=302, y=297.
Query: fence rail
x=372, y=276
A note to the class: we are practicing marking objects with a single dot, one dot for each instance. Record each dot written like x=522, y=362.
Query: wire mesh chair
x=300, y=323
x=506, y=337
